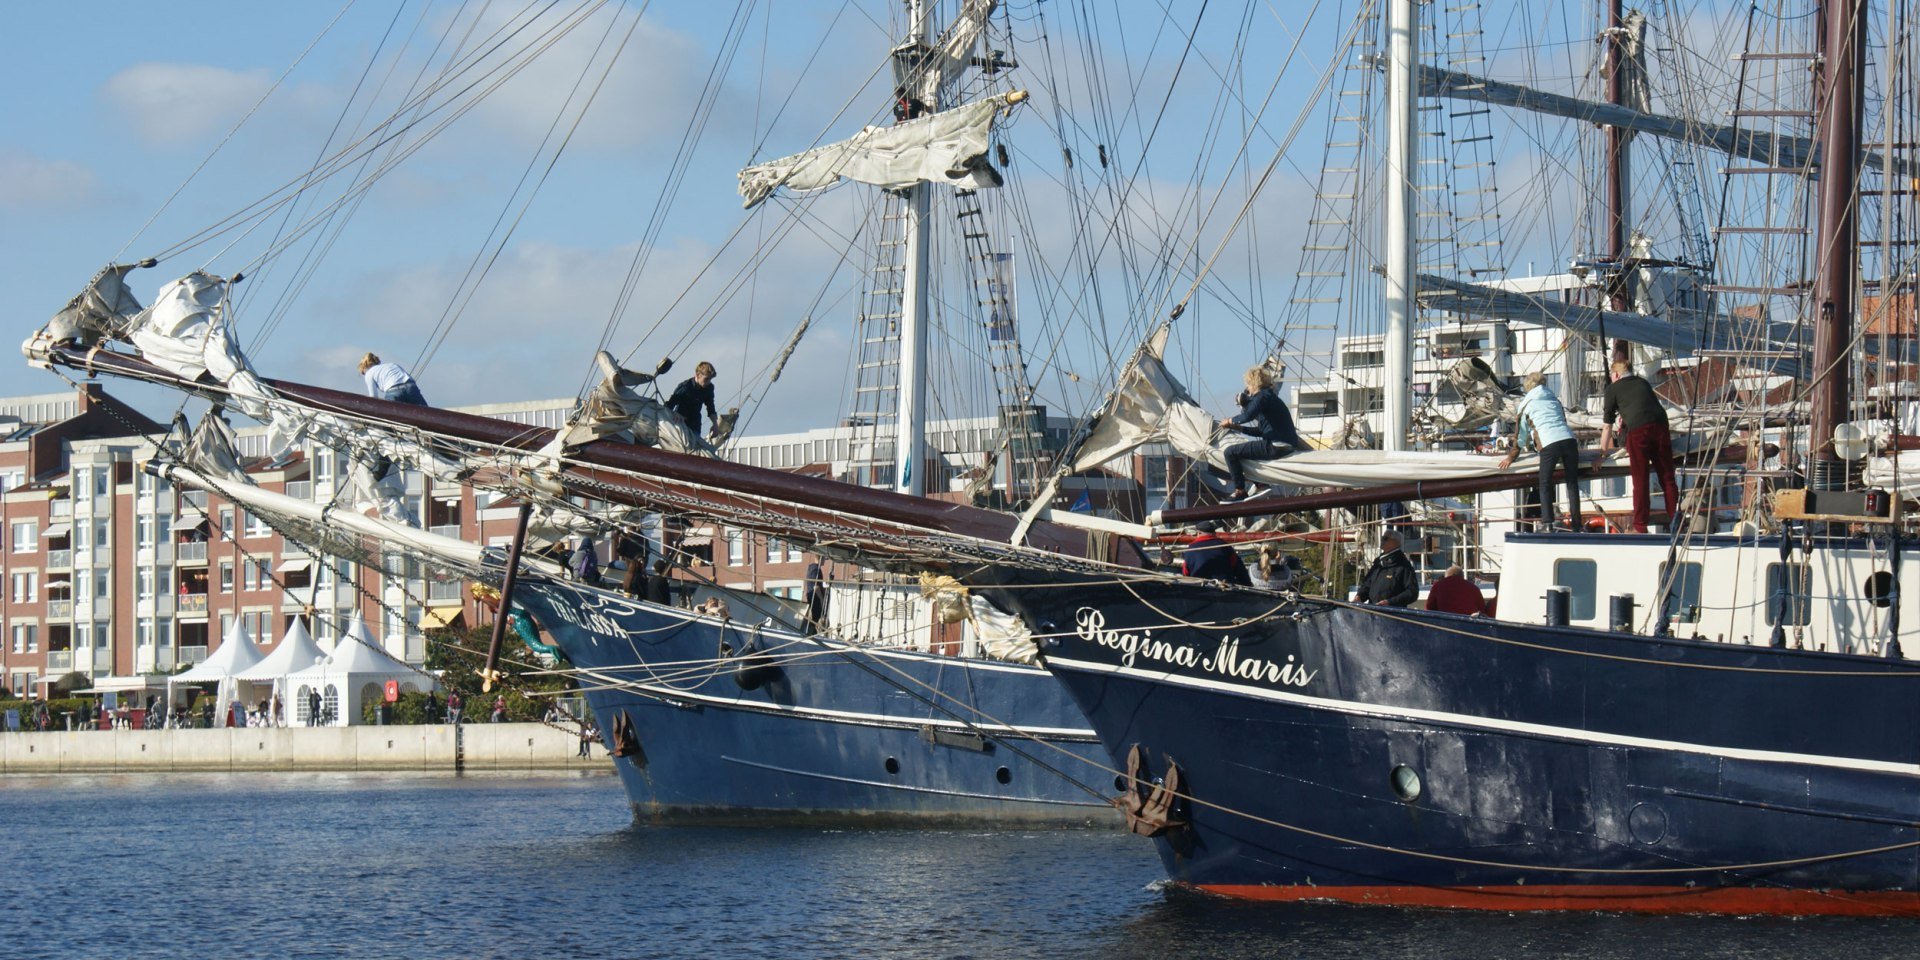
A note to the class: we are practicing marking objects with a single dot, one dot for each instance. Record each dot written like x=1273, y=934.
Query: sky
x=126, y=130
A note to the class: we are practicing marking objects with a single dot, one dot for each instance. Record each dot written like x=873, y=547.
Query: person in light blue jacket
x=1544, y=421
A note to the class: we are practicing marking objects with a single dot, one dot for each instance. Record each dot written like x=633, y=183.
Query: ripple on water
x=327, y=865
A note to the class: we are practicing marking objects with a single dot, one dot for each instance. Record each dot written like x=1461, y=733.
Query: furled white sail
x=1150, y=406
x=947, y=147
x=616, y=409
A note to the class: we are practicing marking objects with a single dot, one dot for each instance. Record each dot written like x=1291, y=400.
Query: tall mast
x=1837, y=261
x=1617, y=154
x=910, y=426
x=1402, y=50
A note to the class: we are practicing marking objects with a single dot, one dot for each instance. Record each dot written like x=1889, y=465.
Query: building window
x=226, y=576
x=26, y=587
x=26, y=536
x=143, y=531
x=254, y=526
x=226, y=523
x=1789, y=594
x=736, y=548
x=1682, y=583
x=793, y=552
x=775, y=552
x=163, y=631
x=1581, y=577
x=102, y=584
x=143, y=634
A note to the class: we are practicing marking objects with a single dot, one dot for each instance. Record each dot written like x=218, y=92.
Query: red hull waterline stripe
x=1745, y=901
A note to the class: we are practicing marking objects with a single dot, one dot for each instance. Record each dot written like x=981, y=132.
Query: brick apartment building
x=111, y=575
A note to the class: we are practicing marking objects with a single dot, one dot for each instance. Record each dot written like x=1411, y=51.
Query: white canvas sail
x=948, y=147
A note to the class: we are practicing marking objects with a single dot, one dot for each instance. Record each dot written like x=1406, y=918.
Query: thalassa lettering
x=1091, y=625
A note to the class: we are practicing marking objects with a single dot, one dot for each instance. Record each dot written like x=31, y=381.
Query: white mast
x=910, y=426
x=1402, y=49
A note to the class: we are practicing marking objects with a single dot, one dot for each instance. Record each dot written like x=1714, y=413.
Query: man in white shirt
x=390, y=381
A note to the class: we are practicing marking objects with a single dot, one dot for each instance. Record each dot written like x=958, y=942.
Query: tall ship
x=1711, y=719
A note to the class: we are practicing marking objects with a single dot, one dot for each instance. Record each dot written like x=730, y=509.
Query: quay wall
x=476, y=746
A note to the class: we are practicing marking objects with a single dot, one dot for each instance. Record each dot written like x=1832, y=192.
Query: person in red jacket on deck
x=1454, y=593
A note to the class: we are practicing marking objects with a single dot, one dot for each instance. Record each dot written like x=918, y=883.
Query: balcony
x=300, y=489
x=190, y=655
x=59, y=662
x=103, y=661
x=192, y=603
x=59, y=559
x=62, y=508
x=60, y=609
x=446, y=530
x=190, y=552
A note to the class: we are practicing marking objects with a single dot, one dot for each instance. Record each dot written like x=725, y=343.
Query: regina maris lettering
x=1226, y=660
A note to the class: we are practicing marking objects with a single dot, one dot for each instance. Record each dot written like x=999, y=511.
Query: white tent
x=296, y=652
x=352, y=677
x=236, y=653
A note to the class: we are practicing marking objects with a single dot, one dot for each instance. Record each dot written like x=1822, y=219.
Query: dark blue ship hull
x=830, y=730
x=1379, y=755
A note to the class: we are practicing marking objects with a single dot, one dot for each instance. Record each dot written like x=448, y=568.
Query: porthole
x=1003, y=775
x=1406, y=783
x=893, y=766
x=1879, y=588
x=1120, y=783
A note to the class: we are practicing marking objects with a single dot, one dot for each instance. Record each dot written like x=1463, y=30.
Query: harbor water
x=361, y=865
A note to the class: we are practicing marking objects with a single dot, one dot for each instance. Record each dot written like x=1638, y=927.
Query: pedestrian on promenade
x=313, y=708
x=453, y=707
x=499, y=709
x=589, y=732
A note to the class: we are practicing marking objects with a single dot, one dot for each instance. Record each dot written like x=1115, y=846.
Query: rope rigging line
x=451, y=316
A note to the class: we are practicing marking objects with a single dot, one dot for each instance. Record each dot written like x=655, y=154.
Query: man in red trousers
x=1630, y=398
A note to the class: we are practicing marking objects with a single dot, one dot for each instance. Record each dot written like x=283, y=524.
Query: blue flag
x=1082, y=505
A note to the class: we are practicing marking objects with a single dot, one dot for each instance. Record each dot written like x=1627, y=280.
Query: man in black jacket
x=659, y=585
x=1390, y=582
x=691, y=395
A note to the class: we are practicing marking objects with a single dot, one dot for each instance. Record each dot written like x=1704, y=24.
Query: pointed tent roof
x=296, y=652
x=357, y=654
x=236, y=653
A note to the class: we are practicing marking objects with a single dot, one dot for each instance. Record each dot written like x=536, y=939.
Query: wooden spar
x=631, y=474
x=1418, y=490
x=491, y=671
x=1837, y=255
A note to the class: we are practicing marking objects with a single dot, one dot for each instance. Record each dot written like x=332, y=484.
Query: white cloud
x=170, y=103
x=28, y=182
x=644, y=101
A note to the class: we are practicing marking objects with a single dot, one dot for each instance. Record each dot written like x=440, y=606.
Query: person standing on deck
x=816, y=600
x=390, y=381
x=692, y=394
x=1390, y=582
x=1630, y=399
x=1264, y=415
x=1544, y=420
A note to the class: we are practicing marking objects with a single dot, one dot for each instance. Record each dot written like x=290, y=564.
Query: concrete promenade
x=479, y=746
